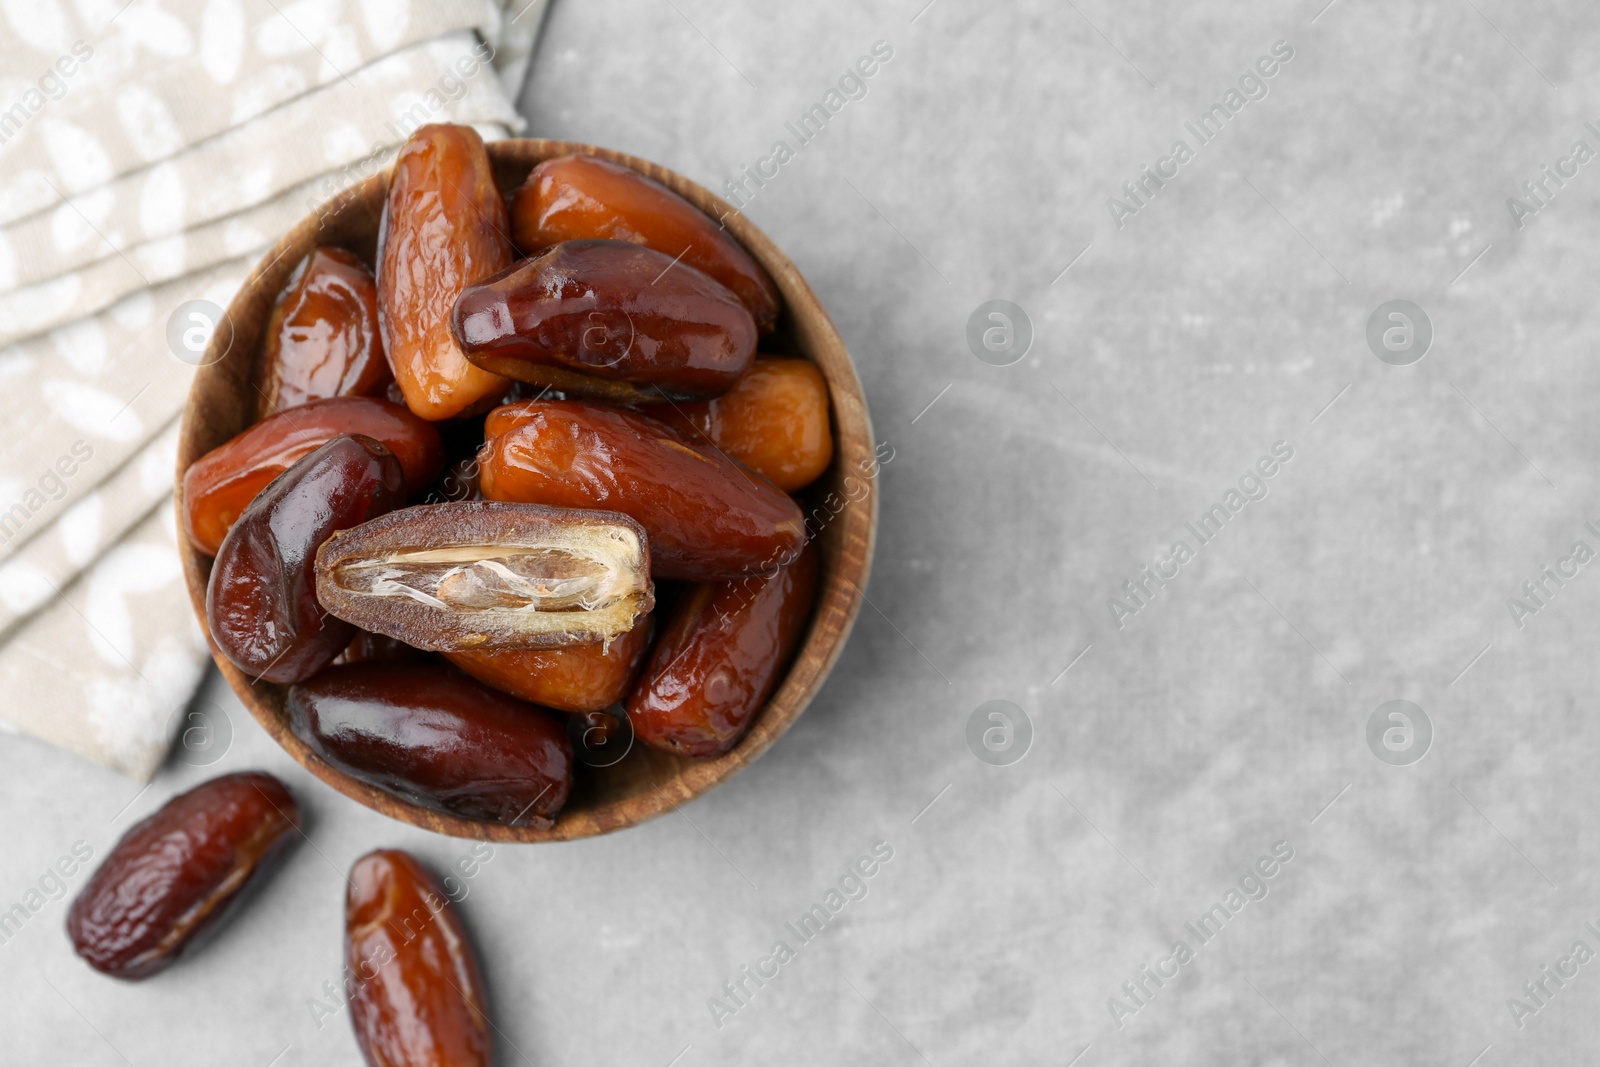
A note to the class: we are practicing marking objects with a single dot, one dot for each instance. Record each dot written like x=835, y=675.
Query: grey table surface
x=1177, y=340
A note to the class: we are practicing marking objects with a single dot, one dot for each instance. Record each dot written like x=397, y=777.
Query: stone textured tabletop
x=1225, y=504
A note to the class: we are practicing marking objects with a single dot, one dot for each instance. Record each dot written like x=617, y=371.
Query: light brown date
x=573, y=197
x=610, y=320
x=219, y=485
x=322, y=339
x=444, y=228
x=774, y=420
x=585, y=678
x=477, y=574
x=178, y=874
x=719, y=657
x=418, y=997
x=707, y=516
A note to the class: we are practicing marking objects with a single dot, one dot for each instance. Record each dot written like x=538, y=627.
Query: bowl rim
x=840, y=591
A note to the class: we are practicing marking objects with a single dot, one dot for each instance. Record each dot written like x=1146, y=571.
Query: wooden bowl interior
x=841, y=507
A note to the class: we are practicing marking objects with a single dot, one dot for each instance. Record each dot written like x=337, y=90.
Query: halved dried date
x=322, y=338
x=774, y=420
x=430, y=734
x=444, y=228
x=219, y=485
x=607, y=319
x=475, y=574
x=585, y=678
x=418, y=998
x=718, y=659
x=707, y=516
x=572, y=197
x=178, y=873
x=261, y=600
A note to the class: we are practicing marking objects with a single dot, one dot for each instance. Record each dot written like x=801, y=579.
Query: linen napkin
x=150, y=152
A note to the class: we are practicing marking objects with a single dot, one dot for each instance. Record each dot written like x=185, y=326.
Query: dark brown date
x=718, y=659
x=219, y=485
x=418, y=998
x=177, y=874
x=429, y=734
x=707, y=516
x=476, y=574
x=444, y=228
x=585, y=678
x=573, y=197
x=261, y=601
x=322, y=338
x=607, y=319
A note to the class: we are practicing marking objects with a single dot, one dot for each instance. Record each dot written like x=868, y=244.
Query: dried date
x=774, y=420
x=444, y=228
x=322, y=339
x=483, y=575
x=607, y=319
x=573, y=197
x=178, y=874
x=719, y=657
x=418, y=998
x=707, y=516
x=261, y=600
x=219, y=485
x=431, y=735
x=580, y=679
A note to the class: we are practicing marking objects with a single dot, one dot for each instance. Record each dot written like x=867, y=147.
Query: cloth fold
x=165, y=77
x=149, y=153
x=153, y=206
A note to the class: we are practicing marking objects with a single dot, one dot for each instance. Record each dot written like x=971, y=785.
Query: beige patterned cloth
x=150, y=151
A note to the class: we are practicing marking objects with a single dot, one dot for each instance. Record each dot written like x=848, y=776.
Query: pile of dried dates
x=469, y=471
x=444, y=532
x=411, y=977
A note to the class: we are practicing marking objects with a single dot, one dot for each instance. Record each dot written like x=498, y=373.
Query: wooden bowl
x=842, y=517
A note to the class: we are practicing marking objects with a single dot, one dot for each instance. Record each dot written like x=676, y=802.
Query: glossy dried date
x=719, y=657
x=178, y=873
x=219, y=485
x=261, y=601
x=585, y=678
x=774, y=420
x=610, y=320
x=444, y=228
x=707, y=516
x=573, y=197
x=418, y=998
x=476, y=574
x=431, y=735
x=322, y=339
